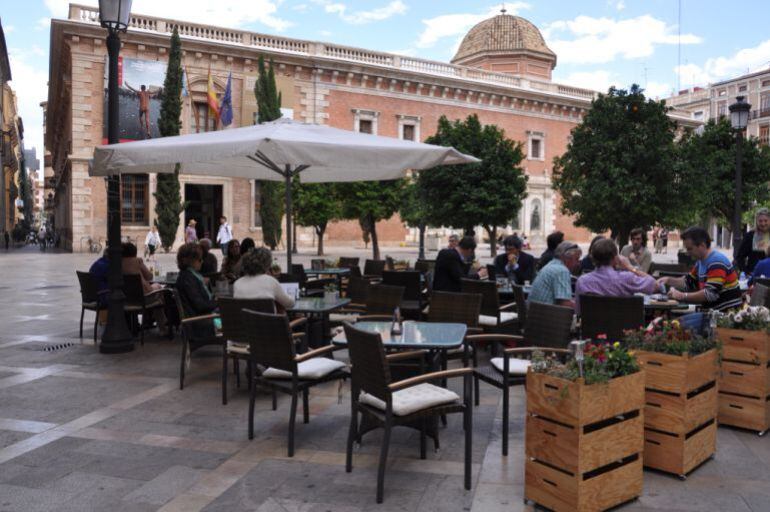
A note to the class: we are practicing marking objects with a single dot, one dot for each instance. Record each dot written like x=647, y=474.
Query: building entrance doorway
x=204, y=204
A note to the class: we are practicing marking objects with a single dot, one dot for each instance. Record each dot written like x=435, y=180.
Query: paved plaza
x=82, y=431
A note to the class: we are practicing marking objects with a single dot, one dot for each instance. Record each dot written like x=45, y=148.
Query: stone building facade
x=349, y=88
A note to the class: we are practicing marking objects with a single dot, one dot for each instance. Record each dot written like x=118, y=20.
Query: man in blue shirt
x=553, y=284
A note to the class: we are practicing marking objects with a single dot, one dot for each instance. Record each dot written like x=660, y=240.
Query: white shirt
x=152, y=238
x=261, y=286
x=225, y=234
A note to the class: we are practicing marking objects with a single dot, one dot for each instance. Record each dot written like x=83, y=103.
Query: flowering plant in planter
x=668, y=337
x=748, y=318
x=602, y=361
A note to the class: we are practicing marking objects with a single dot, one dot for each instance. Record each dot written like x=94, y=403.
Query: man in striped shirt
x=712, y=282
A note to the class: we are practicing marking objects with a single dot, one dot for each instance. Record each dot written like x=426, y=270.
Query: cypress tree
x=168, y=198
x=271, y=192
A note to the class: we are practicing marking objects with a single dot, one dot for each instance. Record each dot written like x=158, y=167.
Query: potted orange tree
x=584, y=430
x=744, y=382
x=680, y=395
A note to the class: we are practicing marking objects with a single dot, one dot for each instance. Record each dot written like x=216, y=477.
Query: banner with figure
x=140, y=87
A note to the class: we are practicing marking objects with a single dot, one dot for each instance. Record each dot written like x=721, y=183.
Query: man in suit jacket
x=515, y=263
x=451, y=266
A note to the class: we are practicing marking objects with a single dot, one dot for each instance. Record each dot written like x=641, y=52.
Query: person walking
x=41, y=238
x=755, y=243
x=151, y=241
x=190, y=234
x=224, y=235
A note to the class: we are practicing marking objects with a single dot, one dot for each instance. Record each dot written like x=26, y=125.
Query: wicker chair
x=274, y=364
x=667, y=269
x=610, y=315
x=90, y=299
x=461, y=308
x=389, y=404
x=382, y=299
x=348, y=262
x=425, y=266
x=193, y=339
x=760, y=296
x=547, y=328
x=312, y=287
x=493, y=316
x=390, y=263
x=373, y=269
x=356, y=291
x=411, y=281
x=521, y=303
x=318, y=264
x=140, y=303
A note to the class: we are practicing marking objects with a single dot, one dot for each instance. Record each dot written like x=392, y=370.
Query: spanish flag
x=212, y=97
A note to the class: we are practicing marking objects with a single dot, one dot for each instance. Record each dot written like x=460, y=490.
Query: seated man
x=712, y=282
x=100, y=271
x=614, y=275
x=209, y=265
x=451, y=266
x=515, y=263
x=553, y=284
x=552, y=241
x=639, y=256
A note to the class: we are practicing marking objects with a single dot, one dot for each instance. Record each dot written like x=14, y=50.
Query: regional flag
x=226, y=106
x=212, y=97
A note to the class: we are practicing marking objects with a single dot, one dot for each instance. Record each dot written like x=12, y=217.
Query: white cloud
x=8, y=29
x=658, y=90
x=600, y=80
x=452, y=25
x=30, y=82
x=325, y=33
x=587, y=40
x=43, y=24
x=225, y=13
x=617, y=4
x=743, y=61
x=361, y=17
x=300, y=7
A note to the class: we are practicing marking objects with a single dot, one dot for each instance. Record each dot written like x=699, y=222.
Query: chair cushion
x=491, y=321
x=515, y=366
x=238, y=348
x=314, y=368
x=413, y=399
x=343, y=317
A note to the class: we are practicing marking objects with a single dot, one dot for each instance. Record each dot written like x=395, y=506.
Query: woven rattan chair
x=521, y=303
x=411, y=281
x=312, y=287
x=382, y=299
x=140, y=303
x=760, y=296
x=197, y=332
x=346, y=262
x=610, y=315
x=547, y=328
x=356, y=291
x=390, y=263
x=424, y=266
x=90, y=299
x=390, y=404
x=274, y=364
x=493, y=315
x=667, y=269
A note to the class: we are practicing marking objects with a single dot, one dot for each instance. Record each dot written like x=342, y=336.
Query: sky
x=663, y=45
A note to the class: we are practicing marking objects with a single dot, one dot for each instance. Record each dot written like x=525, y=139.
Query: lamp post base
x=116, y=347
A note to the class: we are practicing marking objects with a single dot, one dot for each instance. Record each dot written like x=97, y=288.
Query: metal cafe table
x=318, y=307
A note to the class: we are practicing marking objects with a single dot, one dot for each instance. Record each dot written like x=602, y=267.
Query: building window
x=365, y=121
x=721, y=109
x=535, y=146
x=698, y=115
x=764, y=105
x=407, y=132
x=134, y=195
x=765, y=83
x=722, y=92
x=409, y=127
x=764, y=135
x=742, y=88
x=256, y=191
x=203, y=120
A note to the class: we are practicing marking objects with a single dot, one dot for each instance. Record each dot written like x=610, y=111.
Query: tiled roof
x=501, y=34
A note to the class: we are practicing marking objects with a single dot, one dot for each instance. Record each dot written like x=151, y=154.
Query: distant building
x=8, y=162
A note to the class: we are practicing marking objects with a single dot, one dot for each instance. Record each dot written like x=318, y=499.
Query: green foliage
x=709, y=160
x=668, y=338
x=412, y=208
x=271, y=205
x=619, y=170
x=370, y=202
x=487, y=194
x=316, y=204
x=168, y=197
x=601, y=362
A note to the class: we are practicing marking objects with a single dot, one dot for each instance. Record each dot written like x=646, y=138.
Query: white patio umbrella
x=277, y=151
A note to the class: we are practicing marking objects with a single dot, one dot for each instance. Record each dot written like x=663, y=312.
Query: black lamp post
x=739, y=118
x=114, y=15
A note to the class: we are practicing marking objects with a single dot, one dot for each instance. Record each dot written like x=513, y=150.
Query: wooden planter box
x=744, y=382
x=583, y=443
x=680, y=411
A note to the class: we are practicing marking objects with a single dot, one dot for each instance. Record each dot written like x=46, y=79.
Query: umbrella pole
x=287, y=193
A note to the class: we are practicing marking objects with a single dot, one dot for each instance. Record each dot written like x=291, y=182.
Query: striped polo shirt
x=716, y=275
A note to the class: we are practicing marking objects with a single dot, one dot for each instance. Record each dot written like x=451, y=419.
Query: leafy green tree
x=271, y=206
x=487, y=194
x=317, y=204
x=168, y=197
x=370, y=202
x=412, y=211
x=708, y=159
x=620, y=171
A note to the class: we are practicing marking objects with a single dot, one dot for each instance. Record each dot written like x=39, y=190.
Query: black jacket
x=209, y=265
x=195, y=301
x=525, y=272
x=450, y=269
x=545, y=258
x=747, y=258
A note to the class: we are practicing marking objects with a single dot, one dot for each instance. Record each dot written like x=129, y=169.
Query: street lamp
x=114, y=15
x=739, y=119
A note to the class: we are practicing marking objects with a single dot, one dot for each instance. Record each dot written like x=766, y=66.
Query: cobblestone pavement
x=82, y=431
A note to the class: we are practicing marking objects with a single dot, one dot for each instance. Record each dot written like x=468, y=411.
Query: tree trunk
x=294, y=237
x=421, y=254
x=469, y=231
x=492, y=233
x=320, y=230
x=375, y=243
x=622, y=236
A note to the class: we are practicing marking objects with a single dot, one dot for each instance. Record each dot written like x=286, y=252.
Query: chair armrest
x=524, y=350
x=413, y=381
x=316, y=352
x=297, y=334
x=297, y=322
x=154, y=292
x=473, y=331
x=200, y=318
x=510, y=305
x=408, y=354
x=375, y=318
x=355, y=305
x=500, y=338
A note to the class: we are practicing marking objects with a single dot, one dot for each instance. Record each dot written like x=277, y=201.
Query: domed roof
x=503, y=34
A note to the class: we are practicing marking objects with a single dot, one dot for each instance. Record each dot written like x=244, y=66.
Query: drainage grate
x=58, y=346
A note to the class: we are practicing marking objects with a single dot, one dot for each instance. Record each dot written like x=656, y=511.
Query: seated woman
x=231, y=263
x=193, y=292
x=134, y=265
x=256, y=282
